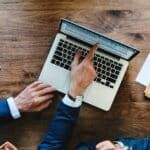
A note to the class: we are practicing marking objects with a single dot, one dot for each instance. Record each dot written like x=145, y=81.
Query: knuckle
x=85, y=64
x=7, y=142
x=39, y=109
x=108, y=141
x=35, y=82
x=32, y=94
x=30, y=90
x=35, y=100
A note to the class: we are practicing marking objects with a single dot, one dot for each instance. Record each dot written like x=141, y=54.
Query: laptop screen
x=92, y=37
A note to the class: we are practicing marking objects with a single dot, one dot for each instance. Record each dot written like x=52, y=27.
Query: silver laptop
x=110, y=61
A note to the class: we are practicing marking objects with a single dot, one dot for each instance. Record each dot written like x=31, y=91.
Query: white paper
x=144, y=75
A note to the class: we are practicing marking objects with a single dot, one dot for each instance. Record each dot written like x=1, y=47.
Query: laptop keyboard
x=107, y=69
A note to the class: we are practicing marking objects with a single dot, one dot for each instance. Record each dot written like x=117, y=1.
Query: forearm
x=61, y=128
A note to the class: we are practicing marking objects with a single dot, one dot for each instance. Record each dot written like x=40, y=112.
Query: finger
x=106, y=147
x=32, y=85
x=76, y=59
x=2, y=146
x=9, y=146
x=43, y=106
x=46, y=91
x=41, y=86
x=105, y=144
x=43, y=99
x=147, y=89
x=91, y=53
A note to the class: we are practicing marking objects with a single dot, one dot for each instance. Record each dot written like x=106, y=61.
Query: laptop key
x=112, y=65
x=108, y=69
x=104, y=77
x=111, y=86
x=120, y=65
x=64, y=45
x=113, y=76
x=59, y=48
x=99, y=65
x=104, y=67
x=62, y=64
x=103, y=71
x=112, y=70
x=107, y=73
x=53, y=61
x=98, y=80
x=58, y=53
x=107, y=83
x=66, y=67
x=57, y=63
x=103, y=62
x=62, y=40
x=64, y=60
x=118, y=68
x=117, y=72
x=111, y=80
x=57, y=57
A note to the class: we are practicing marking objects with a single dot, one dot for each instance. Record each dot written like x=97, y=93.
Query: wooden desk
x=26, y=31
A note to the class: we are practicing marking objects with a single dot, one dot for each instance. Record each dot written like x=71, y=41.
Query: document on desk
x=144, y=75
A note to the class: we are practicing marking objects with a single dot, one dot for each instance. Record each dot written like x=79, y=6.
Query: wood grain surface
x=27, y=28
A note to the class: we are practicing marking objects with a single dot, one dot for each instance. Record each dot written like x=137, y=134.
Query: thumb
x=76, y=59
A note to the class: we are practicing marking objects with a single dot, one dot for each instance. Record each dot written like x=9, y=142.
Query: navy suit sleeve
x=4, y=110
x=60, y=129
x=136, y=143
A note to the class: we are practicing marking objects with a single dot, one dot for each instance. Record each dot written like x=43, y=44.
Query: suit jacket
x=4, y=110
x=131, y=143
x=60, y=129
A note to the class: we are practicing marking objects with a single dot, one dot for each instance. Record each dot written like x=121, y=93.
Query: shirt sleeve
x=13, y=108
x=122, y=145
x=74, y=104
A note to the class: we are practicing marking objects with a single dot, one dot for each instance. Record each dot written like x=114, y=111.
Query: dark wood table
x=27, y=28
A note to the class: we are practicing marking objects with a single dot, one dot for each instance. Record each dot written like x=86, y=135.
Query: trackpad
x=54, y=76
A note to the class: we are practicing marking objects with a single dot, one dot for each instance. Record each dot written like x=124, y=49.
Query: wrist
x=18, y=105
x=74, y=93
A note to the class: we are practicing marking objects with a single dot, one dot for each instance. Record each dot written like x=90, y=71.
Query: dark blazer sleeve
x=60, y=129
x=4, y=110
x=136, y=143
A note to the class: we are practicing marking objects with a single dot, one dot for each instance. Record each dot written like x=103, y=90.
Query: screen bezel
x=135, y=51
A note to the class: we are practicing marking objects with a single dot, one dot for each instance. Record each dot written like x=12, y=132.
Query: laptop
x=110, y=61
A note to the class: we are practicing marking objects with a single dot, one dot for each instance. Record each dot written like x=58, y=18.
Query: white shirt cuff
x=13, y=108
x=74, y=104
x=122, y=145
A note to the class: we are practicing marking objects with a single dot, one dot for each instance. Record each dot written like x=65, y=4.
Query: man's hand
x=82, y=73
x=147, y=91
x=8, y=146
x=108, y=145
x=36, y=97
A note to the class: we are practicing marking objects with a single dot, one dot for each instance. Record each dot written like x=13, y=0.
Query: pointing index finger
x=91, y=53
